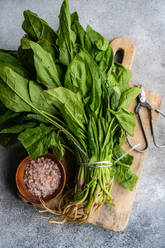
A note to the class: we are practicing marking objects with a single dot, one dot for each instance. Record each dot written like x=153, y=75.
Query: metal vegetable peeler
x=143, y=103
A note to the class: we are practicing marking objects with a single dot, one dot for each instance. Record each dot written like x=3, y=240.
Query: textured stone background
x=143, y=22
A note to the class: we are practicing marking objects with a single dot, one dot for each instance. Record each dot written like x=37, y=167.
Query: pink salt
x=42, y=177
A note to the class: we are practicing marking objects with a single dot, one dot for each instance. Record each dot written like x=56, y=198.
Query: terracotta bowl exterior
x=23, y=189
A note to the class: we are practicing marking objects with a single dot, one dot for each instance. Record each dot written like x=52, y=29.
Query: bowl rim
x=23, y=189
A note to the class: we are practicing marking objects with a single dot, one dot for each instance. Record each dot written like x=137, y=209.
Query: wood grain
x=128, y=49
x=116, y=218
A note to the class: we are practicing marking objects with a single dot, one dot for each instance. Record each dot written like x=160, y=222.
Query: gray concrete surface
x=143, y=22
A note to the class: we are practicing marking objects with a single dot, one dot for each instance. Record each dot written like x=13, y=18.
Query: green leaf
x=60, y=68
x=58, y=148
x=114, y=100
x=119, y=76
x=104, y=59
x=13, y=63
x=128, y=96
x=47, y=73
x=92, y=142
x=83, y=78
x=66, y=36
x=8, y=140
x=78, y=77
x=36, y=117
x=38, y=99
x=25, y=55
x=7, y=116
x=16, y=97
x=38, y=140
x=21, y=95
x=11, y=52
x=93, y=75
x=18, y=128
x=118, y=152
x=2, y=108
x=126, y=177
x=122, y=137
x=78, y=29
x=37, y=28
x=100, y=49
x=8, y=58
x=74, y=17
x=66, y=100
x=47, y=46
x=127, y=120
x=97, y=39
x=14, y=91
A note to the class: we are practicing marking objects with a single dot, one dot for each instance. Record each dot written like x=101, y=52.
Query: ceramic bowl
x=23, y=189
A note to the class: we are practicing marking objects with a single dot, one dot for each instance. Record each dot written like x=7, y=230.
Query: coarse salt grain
x=42, y=177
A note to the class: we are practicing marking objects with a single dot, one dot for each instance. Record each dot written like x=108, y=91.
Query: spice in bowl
x=42, y=177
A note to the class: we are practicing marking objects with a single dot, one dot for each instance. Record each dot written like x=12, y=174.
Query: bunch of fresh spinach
x=62, y=90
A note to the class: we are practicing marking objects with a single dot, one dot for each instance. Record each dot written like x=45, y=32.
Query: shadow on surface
x=13, y=159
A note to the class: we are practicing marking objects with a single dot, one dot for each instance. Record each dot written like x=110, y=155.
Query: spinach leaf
x=126, y=177
x=66, y=36
x=58, y=148
x=93, y=75
x=97, y=39
x=36, y=117
x=83, y=78
x=100, y=49
x=8, y=140
x=10, y=118
x=128, y=96
x=18, y=128
x=21, y=95
x=25, y=55
x=74, y=17
x=93, y=152
x=104, y=59
x=38, y=99
x=3, y=109
x=68, y=103
x=37, y=28
x=14, y=91
x=78, y=77
x=119, y=76
x=47, y=46
x=124, y=174
x=127, y=120
x=8, y=58
x=122, y=137
x=60, y=68
x=11, y=52
x=38, y=140
x=118, y=152
x=47, y=73
x=78, y=29
x=114, y=100
x=8, y=115
x=14, y=63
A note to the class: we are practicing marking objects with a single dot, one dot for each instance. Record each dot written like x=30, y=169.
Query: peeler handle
x=152, y=129
x=127, y=48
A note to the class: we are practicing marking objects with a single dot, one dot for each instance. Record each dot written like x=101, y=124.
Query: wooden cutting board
x=116, y=218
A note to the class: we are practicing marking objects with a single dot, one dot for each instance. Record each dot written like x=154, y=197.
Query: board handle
x=128, y=49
